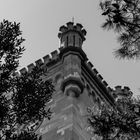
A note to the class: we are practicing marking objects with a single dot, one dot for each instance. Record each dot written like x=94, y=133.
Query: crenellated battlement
x=72, y=35
x=98, y=75
x=53, y=56
x=122, y=92
x=71, y=27
x=118, y=92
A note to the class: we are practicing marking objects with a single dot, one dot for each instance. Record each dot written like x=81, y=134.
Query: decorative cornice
x=73, y=50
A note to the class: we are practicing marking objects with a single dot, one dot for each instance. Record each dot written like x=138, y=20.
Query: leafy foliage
x=22, y=98
x=123, y=16
x=10, y=51
x=26, y=136
x=121, y=123
x=30, y=95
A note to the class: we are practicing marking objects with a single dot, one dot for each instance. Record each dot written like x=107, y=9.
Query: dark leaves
x=25, y=135
x=116, y=5
x=111, y=124
x=4, y=109
x=107, y=25
x=10, y=51
x=106, y=12
x=123, y=17
x=30, y=96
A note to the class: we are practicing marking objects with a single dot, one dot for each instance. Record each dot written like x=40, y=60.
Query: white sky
x=40, y=21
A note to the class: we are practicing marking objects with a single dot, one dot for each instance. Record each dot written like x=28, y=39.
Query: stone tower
x=75, y=80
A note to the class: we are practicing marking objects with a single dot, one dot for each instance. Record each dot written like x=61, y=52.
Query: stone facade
x=78, y=86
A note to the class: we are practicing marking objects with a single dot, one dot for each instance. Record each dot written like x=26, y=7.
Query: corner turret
x=72, y=35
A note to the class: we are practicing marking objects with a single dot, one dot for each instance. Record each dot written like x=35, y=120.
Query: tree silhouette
x=123, y=16
x=22, y=97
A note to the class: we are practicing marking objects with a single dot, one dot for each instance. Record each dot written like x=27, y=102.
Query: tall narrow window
x=74, y=40
x=80, y=43
x=67, y=40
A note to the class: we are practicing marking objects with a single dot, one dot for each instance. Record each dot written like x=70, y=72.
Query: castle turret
x=72, y=35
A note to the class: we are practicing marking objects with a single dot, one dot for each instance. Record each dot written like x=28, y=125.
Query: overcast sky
x=40, y=21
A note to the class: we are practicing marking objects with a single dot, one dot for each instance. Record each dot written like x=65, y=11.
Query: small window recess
x=67, y=41
x=74, y=40
x=80, y=42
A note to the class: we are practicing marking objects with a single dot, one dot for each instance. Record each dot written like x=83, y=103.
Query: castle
x=78, y=87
